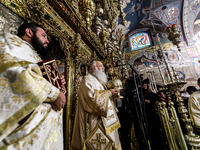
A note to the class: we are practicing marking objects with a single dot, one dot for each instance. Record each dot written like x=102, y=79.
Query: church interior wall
x=76, y=42
x=62, y=45
x=186, y=61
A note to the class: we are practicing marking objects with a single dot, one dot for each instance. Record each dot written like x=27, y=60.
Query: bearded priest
x=30, y=106
x=96, y=122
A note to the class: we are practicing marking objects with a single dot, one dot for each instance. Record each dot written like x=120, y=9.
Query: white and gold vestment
x=24, y=91
x=95, y=108
x=194, y=109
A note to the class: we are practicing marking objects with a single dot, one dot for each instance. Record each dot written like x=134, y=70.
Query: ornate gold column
x=69, y=69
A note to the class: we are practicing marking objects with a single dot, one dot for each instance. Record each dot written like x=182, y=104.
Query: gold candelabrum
x=167, y=124
x=152, y=81
x=169, y=118
x=174, y=35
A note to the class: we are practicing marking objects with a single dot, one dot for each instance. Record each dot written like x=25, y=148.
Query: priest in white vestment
x=28, y=120
x=96, y=122
x=194, y=111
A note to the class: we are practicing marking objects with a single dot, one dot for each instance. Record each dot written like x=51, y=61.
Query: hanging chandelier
x=174, y=35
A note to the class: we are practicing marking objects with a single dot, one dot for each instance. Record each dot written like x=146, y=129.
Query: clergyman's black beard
x=39, y=47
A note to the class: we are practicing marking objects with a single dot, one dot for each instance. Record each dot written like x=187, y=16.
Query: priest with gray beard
x=96, y=122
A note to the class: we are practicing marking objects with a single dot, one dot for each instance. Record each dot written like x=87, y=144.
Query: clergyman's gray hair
x=94, y=63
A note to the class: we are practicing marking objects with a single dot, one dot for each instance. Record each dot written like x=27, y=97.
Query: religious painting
x=174, y=56
x=61, y=65
x=171, y=14
x=83, y=70
x=168, y=14
x=139, y=40
x=192, y=52
x=147, y=62
x=50, y=71
x=132, y=9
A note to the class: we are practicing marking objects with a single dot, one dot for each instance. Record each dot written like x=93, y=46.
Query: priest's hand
x=60, y=102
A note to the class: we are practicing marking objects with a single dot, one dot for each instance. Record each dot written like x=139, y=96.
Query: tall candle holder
x=192, y=140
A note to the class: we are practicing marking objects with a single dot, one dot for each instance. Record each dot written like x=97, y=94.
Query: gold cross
x=98, y=141
x=55, y=79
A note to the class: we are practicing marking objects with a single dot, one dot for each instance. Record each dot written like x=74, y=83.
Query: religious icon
x=50, y=71
x=83, y=69
x=171, y=14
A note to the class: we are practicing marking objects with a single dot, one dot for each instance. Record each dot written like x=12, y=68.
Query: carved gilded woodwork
x=85, y=32
x=66, y=12
x=66, y=18
x=87, y=8
x=29, y=10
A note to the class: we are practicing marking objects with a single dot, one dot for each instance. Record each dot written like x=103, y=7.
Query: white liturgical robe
x=24, y=91
x=94, y=107
x=194, y=108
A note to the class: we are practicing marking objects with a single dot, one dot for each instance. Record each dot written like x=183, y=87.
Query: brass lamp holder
x=174, y=35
